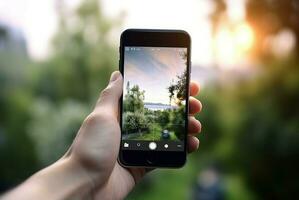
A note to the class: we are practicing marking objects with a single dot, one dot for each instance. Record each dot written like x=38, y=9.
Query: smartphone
x=155, y=65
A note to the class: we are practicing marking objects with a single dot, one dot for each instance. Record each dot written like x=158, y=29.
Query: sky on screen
x=153, y=70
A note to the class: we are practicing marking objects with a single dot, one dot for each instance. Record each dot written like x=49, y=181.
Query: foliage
x=134, y=122
x=17, y=151
x=47, y=129
x=82, y=57
x=250, y=129
x=134, y=118
x=42, y=104
x=67, y=84
x=270, y=131
x=134, y=99
x=270, y=17
x=163, y=116
x=177, y=90
x=149, y=124
x=177, y=122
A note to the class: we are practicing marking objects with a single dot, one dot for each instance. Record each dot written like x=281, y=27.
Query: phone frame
x=155, y=38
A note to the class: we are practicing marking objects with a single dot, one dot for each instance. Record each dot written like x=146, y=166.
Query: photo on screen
x=154, y=93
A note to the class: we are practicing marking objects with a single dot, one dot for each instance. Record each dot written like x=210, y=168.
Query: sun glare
x=243, y=37
x=232, y=44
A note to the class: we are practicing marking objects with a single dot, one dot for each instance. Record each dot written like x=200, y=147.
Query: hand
x=96, y=146
x=90, y=167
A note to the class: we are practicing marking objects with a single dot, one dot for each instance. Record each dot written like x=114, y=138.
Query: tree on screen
x=177, y=90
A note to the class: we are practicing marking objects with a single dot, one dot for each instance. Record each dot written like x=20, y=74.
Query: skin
x=89, y=169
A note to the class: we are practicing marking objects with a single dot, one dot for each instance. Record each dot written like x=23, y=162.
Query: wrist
x=62, y=180
x=65, y=179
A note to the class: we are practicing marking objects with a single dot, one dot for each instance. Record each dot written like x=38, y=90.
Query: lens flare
x=232, y=44
x=243, y=37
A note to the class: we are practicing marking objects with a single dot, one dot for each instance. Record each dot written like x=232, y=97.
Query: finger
x=109, y=98
x=193, y=143
x=194, y=126
x=194, y=88
x=195, y=106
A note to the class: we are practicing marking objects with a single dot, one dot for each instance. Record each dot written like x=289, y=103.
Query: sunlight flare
x=233, y=43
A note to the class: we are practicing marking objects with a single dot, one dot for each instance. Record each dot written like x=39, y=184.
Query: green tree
x=163, y=117
x=134, y=117
x=177, y=90
x=134, y=122
x=269, y=131
x=133, y=101
x=69, y=81
x=177, y=122
x=82, y=57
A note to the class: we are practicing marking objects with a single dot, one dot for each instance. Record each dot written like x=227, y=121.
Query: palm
x=120, y=182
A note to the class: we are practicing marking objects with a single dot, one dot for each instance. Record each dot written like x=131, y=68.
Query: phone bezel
x=155, y=38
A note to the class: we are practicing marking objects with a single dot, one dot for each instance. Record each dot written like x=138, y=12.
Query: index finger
x=194, y=88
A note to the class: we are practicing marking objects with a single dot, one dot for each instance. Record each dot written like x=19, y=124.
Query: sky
x=38, y=21
x=153, y=70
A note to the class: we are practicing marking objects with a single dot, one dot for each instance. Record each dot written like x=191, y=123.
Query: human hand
x=96, y=146
x=90, y=168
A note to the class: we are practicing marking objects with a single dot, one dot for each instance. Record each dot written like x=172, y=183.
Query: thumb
x=109, y=98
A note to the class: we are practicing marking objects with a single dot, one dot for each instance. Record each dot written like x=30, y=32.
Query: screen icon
x=126, y=145
x=152, y=146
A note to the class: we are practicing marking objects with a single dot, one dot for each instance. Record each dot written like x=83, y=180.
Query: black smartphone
x=155, y=65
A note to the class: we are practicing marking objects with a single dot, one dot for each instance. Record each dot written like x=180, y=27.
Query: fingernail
x=197, y=143
x=114, y=76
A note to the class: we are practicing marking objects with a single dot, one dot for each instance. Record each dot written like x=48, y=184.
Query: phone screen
x=154, y=98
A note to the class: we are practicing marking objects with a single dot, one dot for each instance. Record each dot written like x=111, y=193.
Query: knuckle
x=93, y=118
x=106, y=92
x=96, y=118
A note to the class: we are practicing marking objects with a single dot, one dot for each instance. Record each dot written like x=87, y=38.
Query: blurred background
x=56, y=56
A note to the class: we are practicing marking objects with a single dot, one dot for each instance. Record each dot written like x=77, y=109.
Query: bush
x=134, y=122
x=177, y=122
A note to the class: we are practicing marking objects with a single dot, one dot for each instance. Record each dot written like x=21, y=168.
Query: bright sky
x=191, y=15
x=38, y=21
x=153, y=70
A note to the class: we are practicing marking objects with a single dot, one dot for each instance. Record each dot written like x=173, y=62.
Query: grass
x=153, y=134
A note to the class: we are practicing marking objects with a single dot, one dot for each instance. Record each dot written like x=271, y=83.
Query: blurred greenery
x=42, y=104
x=250, y=125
